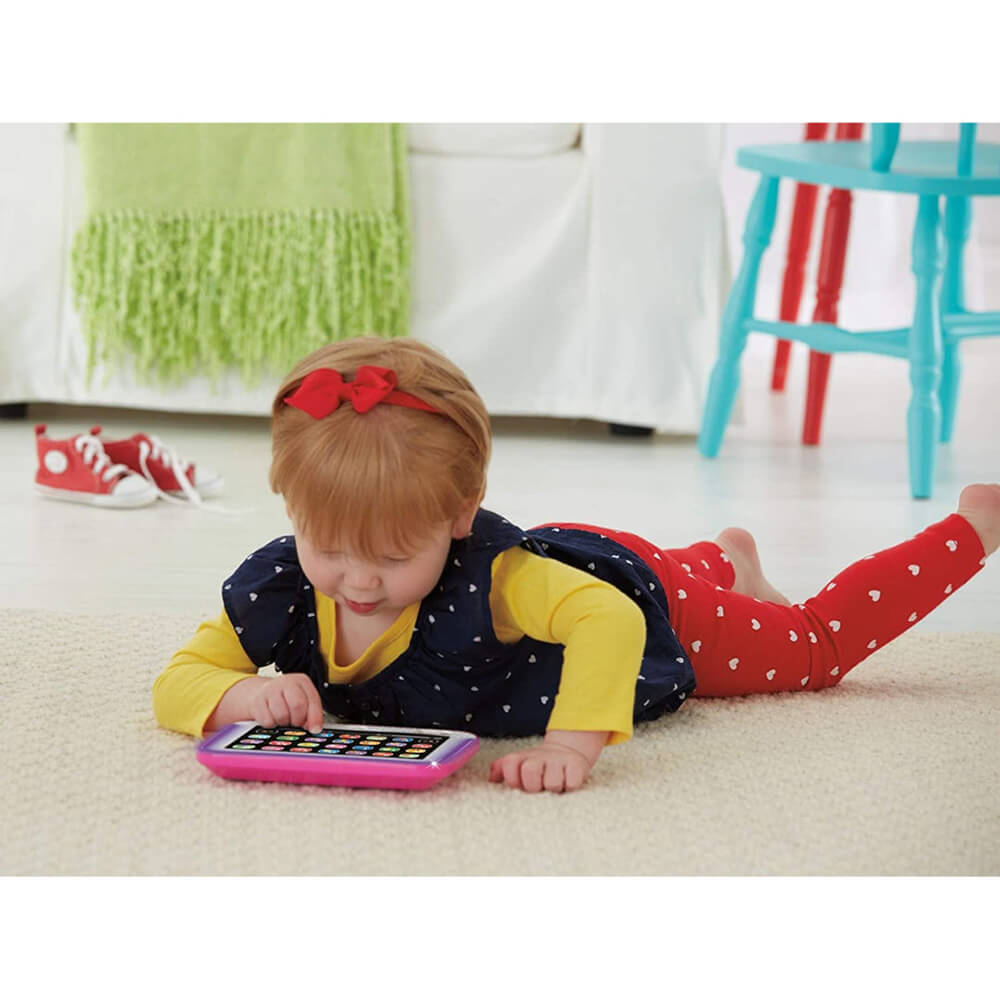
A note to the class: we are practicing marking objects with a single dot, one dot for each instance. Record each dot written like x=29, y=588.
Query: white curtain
x=878, y=282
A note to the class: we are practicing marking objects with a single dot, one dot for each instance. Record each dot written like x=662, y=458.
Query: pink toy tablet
x=358, y=756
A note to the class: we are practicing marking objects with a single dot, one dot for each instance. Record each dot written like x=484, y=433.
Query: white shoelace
x=92, y=451
x=160, y=452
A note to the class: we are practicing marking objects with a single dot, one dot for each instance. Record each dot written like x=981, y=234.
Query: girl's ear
x=462, y=524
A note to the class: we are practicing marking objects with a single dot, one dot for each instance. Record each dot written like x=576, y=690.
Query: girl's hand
x=289, y=700
x=560, y=764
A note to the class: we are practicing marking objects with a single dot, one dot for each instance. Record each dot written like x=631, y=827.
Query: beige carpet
x=896, y=772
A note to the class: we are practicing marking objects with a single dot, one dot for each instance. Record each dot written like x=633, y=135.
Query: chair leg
x=799, y=236
x=923, y=418
x=957, y=223
x=829, y=280
x=819, y=376
x=782, y=355
x=795, y=274
x=951, y=373
x=885, y=138
x=725, y=378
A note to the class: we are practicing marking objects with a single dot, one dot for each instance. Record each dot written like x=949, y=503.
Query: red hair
x=383, y=479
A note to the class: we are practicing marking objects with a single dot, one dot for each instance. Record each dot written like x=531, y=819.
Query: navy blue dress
x=455, y=673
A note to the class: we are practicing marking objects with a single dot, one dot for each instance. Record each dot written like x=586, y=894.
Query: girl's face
x=383, y=587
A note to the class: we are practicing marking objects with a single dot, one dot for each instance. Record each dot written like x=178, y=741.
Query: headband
x=323, y=390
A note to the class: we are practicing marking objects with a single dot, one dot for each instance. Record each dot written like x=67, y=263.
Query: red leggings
x=742, y=645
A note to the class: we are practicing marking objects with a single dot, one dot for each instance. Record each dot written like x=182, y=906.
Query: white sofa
x=572, y=271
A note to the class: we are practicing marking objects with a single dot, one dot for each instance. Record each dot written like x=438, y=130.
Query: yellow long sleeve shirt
x=602, y=631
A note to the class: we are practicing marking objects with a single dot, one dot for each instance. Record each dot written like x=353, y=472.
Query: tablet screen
x=336, y=742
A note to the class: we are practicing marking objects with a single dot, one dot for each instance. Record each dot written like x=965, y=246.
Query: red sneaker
x=172, y=476
x=79, y=469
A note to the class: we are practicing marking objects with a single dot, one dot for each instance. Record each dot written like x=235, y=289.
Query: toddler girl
x=399, y=601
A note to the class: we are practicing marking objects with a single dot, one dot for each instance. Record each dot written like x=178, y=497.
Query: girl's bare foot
x=979, y=504
x=739, y=545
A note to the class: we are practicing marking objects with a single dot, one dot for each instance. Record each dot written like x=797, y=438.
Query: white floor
x=813, y=510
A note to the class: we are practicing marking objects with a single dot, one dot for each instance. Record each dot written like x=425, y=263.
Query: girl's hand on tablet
x=289, y=700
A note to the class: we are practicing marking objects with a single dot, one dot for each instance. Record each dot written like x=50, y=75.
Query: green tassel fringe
x=203, y=293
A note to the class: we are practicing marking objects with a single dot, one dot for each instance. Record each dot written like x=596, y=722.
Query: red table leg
x=799, y=237
x=830, y=277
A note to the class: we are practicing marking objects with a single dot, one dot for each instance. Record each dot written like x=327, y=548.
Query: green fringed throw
x=207, y=247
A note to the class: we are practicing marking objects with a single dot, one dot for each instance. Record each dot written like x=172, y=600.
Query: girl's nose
x=361, y=576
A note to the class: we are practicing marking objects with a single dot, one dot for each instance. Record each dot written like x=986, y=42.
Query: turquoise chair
x=928, y=170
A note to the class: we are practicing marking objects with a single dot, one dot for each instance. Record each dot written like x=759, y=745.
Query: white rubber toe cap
x=207, y=481
x=131, y=491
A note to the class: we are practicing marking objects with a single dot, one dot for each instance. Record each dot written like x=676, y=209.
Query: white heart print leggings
x=742, y=645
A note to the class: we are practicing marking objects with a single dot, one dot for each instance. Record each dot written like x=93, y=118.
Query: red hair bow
x=322, y=391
